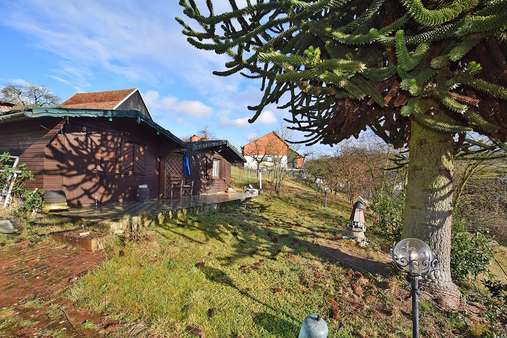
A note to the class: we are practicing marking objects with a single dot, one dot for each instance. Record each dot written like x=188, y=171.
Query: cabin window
x=216, y=169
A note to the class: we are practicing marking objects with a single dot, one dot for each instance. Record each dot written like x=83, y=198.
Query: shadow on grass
x=276, y=326
x=259, y=235
x=218, y=276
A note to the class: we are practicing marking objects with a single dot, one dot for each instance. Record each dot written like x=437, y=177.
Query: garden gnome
x=313, y=327
x=356, y=226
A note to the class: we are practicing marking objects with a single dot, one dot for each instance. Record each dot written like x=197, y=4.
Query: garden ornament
x=313, y=327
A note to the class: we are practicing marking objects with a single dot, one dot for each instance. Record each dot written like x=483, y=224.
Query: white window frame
x=215, y=169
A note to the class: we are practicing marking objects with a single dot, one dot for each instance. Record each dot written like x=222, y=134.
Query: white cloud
x=239, y=122
x=20, y=82
x=135, y=40
x=267, y=117
x=75, y=77
x=163, y=105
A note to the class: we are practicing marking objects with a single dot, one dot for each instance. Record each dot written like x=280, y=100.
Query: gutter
x=91, y=113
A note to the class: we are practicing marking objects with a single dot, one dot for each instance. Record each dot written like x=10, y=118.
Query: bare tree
x=353, y=171
x=259, y=152
x=28, y=96
x=206, y=134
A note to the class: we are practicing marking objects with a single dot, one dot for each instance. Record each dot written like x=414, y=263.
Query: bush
x=471, y=254
x=30, y=200
x=6, y=170
x=483, y=206
x=388, y=209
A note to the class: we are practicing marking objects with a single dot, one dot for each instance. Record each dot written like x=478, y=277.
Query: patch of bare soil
x=32, y=277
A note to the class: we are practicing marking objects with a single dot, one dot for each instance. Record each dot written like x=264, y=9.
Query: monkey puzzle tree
x=429, y=75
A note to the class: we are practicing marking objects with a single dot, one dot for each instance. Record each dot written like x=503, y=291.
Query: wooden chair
x=187, y=186
x=175, y=183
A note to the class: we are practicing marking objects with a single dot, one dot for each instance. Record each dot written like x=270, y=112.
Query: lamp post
x=415, y=258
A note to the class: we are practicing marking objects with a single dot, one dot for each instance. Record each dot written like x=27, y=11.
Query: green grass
x=254, y=271
x=242, y=177
x=34, y=228
x=226, y=273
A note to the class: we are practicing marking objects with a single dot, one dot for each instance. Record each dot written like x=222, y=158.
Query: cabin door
x=173, y=172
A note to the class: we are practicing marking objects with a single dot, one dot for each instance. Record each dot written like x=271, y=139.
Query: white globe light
x=413, y=256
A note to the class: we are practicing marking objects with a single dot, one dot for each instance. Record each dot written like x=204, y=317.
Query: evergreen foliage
x=341, y=66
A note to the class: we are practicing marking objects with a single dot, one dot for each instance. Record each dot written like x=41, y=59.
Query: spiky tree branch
x=341, y=66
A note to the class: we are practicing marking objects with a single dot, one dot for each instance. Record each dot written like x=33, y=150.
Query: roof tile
x=97, y=100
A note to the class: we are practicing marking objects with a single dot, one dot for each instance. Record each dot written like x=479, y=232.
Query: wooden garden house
x=99, y=148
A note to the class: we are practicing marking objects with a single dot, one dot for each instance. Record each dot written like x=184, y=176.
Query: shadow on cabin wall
x=97, y=162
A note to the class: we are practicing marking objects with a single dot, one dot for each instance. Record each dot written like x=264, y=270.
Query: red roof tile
x=97, y=100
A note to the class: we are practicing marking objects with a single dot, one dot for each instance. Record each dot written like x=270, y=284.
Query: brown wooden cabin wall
x=135, y=102
x=28, y=139
x=98, y=161
x=202, y=165
x=91, y=160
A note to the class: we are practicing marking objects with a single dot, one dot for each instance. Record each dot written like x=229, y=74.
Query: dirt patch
x=56, y=318
x=42, y=270
x=32, y=278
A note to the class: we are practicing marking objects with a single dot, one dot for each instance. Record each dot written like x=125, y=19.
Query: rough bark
x=428, y=210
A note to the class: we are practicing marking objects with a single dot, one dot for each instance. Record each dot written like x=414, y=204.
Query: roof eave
x=91, y=113
x=208, y=145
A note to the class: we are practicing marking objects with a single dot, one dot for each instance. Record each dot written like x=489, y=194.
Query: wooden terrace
x=154, y=208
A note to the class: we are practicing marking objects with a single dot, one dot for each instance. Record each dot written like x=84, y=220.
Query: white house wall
x=251, y=163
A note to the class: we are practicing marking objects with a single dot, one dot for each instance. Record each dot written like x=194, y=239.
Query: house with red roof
x=5, y=107
x=265, y=151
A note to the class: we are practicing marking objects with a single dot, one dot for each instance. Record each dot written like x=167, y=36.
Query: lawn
x=256, y=271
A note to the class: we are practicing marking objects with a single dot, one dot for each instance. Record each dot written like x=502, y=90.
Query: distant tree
x=28, y=96
x=206, y=134
x=355, y=171
x=259, y=153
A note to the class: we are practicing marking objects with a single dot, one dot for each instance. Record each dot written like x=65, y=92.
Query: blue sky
x=91, y=45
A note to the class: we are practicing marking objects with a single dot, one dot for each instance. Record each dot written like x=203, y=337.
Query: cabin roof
x=34, y=113
x=223, y=147
x=99, y=100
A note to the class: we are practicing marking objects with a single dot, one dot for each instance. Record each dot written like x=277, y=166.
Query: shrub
x=388, y=209
x=483, y=206
x=6, y=170
x=30, y=200
x=471, y=254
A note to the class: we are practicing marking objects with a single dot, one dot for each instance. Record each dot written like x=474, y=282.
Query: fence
x=245, y=176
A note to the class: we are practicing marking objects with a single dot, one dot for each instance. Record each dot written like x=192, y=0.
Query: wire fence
x=244, y=176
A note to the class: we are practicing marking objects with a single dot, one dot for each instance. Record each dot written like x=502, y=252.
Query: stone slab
x=6, y=227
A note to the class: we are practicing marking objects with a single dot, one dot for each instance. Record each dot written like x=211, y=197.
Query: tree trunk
x=428, y=210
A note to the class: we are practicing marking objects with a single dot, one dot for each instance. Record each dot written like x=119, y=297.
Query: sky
x=81, y=46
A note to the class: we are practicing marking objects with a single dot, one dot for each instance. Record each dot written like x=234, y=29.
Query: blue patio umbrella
x=186, y=165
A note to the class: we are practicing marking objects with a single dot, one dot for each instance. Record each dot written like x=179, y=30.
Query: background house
x=5, y=107
x=125, y=99
x=271, y=149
